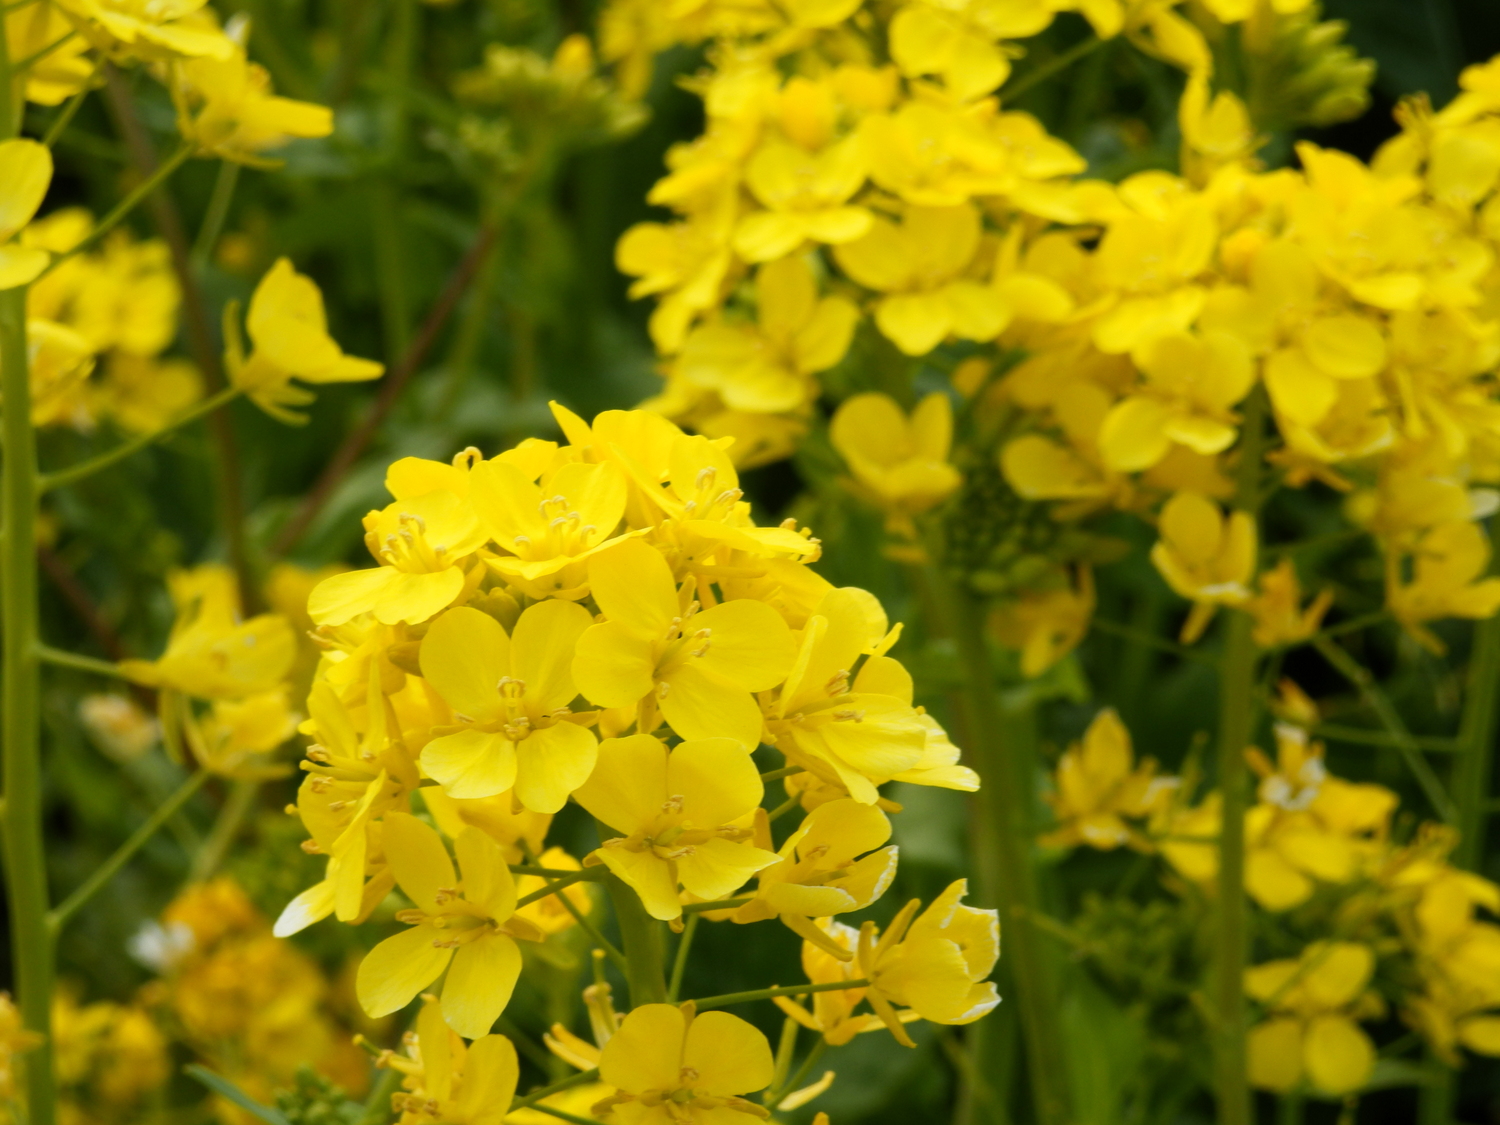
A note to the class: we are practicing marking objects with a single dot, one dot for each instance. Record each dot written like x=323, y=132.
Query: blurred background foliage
x=455, y=133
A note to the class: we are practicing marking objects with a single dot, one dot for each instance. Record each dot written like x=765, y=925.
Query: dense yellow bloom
x=512, y=692
x=26, y=173
x=445, y=1080
x=900, y=461
x=289, y=333
x=1450, y=562
x=671, y=1067
x=1311, y=1033
x=684, y=814
x=1205, y=557
x=60, y=68
x=806, y=195
x=1099, y=789
x=141, y=29
x=657, y=649
x=467, y=929
x=832, y=1015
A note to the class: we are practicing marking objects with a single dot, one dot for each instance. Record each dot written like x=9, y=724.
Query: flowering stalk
x=1237, y=685
x=640, y=935
x=1001, y=743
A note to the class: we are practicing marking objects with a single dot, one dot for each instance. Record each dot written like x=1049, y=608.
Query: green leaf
x=227, y=1089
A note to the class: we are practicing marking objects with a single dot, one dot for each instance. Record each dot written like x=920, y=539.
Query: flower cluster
x=603, y=622
x=1321, y=843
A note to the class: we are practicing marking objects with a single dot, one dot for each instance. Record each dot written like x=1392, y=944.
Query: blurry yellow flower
x=1047, y=624
x=684, y=816
x=1099, y=788
x=60, y=361
x=118, y=725
x=832, y=1014
x=1449, y=564
x=61, y=66
x=658, y=650
x=512, y=693
x=957, y=39
x=671, y=1067
x=768, y=366
x=806, y=198
x=225, y=106
x=1280, y=617
x=148, y=30
x=1205, y=557
x=235, y=735
x=548, y=913
x=143, y=395
x=467, y=929
x=211, y=653
x=935, y=963
x=901, y=462
x=25, y=173
x=424, y=544
x=918, y=266
x=446, y=1081
x=1311, y=1033
x=289, y=331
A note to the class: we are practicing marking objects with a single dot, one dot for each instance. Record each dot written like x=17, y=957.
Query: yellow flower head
x=1099, y=789
x=671, y=1067
x=1280, y=617
x=684, y=815
x=467, y=928
x=901, y=462
x=448, y=1082
x=26, y=173
x=1046, y=624
x=1205, y=557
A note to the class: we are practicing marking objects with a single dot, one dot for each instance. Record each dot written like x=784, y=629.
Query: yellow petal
x=1134, y=435
x=471, y=763
x=730, y=1055
x=646, y=1052
x=463, y=656
x=337, y=599
x=546, y=637
x=716, y=868
x=551, y=763
x=717, y=779
x=629, y=783
x=312, y=905
x=613, y=665
x=1338, y=1054
x=747, y=644
x=1346, y=347
x=915, y=322
x=414, y=598
x=25, y=174
x=487, y=881
x=21, y=265
x=699, y=704
x=1275, y=1054
x=399, y=968
x=491, y=1072
x=480, y=981
x=420, y=861
x=649, y=876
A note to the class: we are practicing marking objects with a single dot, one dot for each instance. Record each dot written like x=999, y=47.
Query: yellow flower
x=25, y=173
x=1310, y=1033
x=550, y=529
x=149, y=30
x=512, y=693
x=423, y=544
x=225, y=106
x=684, y=815
x=806, y=198
x=1046, y=624
x=1450, y=561
x=829, y=865
x=918, y=265
x=658, y=650
x=1205, y=557
x=1280, y=618
x=445, y=1081
x=235, y=735
x=1097, y=789
x=832, y=1015
x=768, y=367
x=901, y=462
x=211, y=653
x=686, y=262
x=957, y=40
x=60, y=362
x=289, y=331
x=672, y=1067
x=468, y=929
x=142, y=395
x=935, y=964
x=61, y=66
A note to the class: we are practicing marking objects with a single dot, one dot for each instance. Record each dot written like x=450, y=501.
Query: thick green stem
x=1001, y=746
x=1472, y=777
x=1237, y=689
x=20, y=716
x=640, y=935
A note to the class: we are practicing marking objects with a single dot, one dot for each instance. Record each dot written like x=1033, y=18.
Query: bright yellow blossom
x=26, y=173
x=1280, y=617
x=1099, y=789
x=684, y=815
x=468, y=929
x=1448, y=581
x=444, y=1080
x=900, y=461
x=1205, y=557
x=832, y=1013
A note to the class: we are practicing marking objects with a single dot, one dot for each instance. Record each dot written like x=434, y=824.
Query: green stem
x=32, y=954
x=564, y=1115
x=640, y=935
x=60, y=659
x=556, y=1088
x=1237, y=715
x=127, y=205
x=784, y=771
x=73, y=473
x=559, y=884
x=769, y=993
x=217, y=213
x=226, y=827
x=813, y=1055
x=58, y=917
x=1149, y=640
x=1335, y=732
x=1289, y=1109
x=69, y=111
x=1055, y=65
x=695, y=908
x=378, y=1104
x=1361, y=679
x=1002, y=742
x=679, y=962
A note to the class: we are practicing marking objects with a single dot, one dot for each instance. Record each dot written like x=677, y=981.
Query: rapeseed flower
x=1205, y=557
x=26, y=171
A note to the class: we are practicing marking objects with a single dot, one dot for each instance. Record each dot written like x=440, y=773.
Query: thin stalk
x=770, y=993
x=1055, y=65
x=1472, y=778
x=48, y=481
x=640, y=935
x=558, y=885
x=217, y=213
x=1390, y=718
x=32, y=955
x=378, y=1104
x=227, y=825
x=58, y=917
x=679, y=962
x=1237, y=715
x=143, y=189
x=1114, y=628
x=556, y=1088
x=70, y=109
x=40, y=53
x=60, y=659
x=1002, y=745
x=813, y=1055
x=595, y=873
x=1335, y=732
x=785, y=771
x=696, y=908
x=785, y=807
